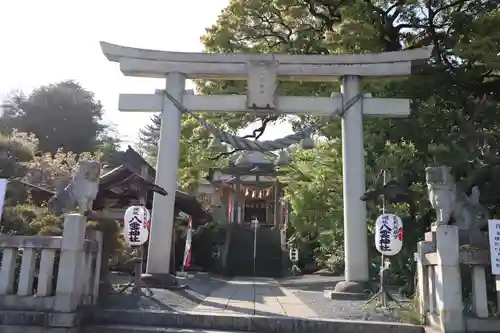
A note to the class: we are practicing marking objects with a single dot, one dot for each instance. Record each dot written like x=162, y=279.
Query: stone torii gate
x=261, y=71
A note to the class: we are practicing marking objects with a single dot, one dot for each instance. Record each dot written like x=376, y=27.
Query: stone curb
x=143, y=329
x=42, y=319
x=266, y=324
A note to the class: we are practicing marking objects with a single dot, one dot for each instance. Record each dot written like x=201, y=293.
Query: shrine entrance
x=262, y=72
x=256, y=209
x=249, y=188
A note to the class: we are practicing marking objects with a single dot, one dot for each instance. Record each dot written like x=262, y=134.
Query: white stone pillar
x=162, y=216
x=71, y=263
x=355, y=228
x=448, y=280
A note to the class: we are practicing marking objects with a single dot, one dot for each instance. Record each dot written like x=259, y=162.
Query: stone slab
x=38, y=329
x=253, y=297
x=235, y=305
x=269, y=310
x=288, y=300
x=274, y=324
x=293, y=310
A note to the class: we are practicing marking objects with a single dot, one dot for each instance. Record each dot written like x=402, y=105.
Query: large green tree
x=455, y=115
x=455, y=112
x=62, y=115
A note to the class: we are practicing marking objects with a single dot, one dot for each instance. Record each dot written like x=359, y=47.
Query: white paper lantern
x=135, y=229
x=389, y=234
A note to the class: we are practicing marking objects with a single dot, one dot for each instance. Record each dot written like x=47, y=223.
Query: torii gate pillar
x=353, y=170
x=167, y=165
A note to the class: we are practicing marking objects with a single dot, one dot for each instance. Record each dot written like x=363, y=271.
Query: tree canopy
x=455, y=113
x=61, y=115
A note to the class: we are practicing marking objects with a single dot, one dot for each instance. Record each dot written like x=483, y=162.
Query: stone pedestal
x=474, y=238
x=71, y=263
x=162, y=281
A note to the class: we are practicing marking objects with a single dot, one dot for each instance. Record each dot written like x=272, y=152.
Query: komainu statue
x=80, y=192
x=450, y=201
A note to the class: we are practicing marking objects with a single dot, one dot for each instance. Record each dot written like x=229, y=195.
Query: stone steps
x=147, y=329
x=210, y=322
x=268, y=255
x=129, y=321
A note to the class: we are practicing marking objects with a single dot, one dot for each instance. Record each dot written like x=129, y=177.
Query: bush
x=17, y=220
x=115, y=252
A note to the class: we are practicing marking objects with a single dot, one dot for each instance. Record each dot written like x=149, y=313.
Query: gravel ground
x=168, y=300
x=309, y=289
x=337, y=309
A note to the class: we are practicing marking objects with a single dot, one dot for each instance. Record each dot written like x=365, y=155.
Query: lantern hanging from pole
x=389, y=234
x=135, y=229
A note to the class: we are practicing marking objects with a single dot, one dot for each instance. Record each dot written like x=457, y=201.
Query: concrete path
x=254, y=296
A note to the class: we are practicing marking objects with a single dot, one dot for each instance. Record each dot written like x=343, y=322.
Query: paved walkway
x=254, y=296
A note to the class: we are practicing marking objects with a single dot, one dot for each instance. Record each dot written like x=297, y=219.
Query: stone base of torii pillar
x=162, y=281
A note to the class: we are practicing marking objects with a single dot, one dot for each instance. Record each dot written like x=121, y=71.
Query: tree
x=317, y=221
x=53, y=170
x=61, y=115
x=109, y=152
x=15, y=151
x=149, y=136
x=455, y=95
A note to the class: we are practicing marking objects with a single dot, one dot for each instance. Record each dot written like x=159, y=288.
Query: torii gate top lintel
x=152, y=63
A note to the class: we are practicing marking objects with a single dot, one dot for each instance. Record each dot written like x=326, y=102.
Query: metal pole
x=254, y=249
x=255, y=224
x=383, y=298
x=382, y=294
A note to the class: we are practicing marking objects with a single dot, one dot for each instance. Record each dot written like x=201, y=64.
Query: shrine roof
x=124, y=183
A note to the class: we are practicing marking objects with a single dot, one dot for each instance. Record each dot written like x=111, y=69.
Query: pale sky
x=48, y=41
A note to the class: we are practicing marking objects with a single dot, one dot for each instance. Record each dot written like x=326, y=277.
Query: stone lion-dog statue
x=80, y=192
x=450, y=201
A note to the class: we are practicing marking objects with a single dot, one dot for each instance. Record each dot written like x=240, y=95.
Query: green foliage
x=194, y=155
x=115, y=250
x=317, y=200
x=49, y=170
x=15, y=151
x=455, y=111
x=29, y=220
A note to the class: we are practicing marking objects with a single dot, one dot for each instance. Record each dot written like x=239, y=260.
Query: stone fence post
x=448, y=279
x=69, y=277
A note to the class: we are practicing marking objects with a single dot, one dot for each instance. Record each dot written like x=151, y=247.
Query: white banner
x=135, y=229
x=3, y=190
x=494, y=233
x=187, y=249
x=389, y=234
